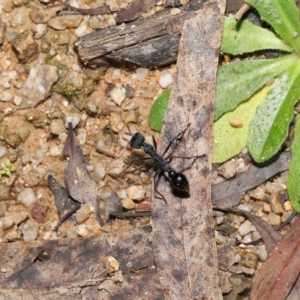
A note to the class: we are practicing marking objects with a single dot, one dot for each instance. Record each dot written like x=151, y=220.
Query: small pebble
x=27, y=196
x=3, y=151
x=30, y=230
x=275, y=203
x=272, y=187
x=262, y=252
x=245, y=207
x=255, y=235
x=38, y=212
x=227, y=170
x=165, y=80
x=57, y=126
x=136, y=192
x=266, y=207
x=140, y=74
x=47, y=235
x=245, y=228
x=118, y=277
x=118, y=95
x=7, y=221
x=274, y=219
x=257, y=193
x=143, y=207
x=83, y=213
x=5, y=96
x=2, y=209
x=287, y=206
x=219, y=220
x=72, y=233
x=127, y=203
x=110, y=264
x=19, y=217
x=81, y=230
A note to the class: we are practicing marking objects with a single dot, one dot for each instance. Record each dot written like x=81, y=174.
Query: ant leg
x=177, y=137
x=156, y=181
x=194, y=159
x=139, y=168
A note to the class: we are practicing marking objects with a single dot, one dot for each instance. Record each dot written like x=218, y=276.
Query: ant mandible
x=177, y=180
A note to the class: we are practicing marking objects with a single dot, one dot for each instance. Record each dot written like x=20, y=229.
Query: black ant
x=177, y=180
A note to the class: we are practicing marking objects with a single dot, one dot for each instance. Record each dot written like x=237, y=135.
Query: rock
x=81, y=230
x=227, y=170
x=257, y=193
x=245, y=228
x=26, y=48
x=249, y=260
x=118, y=277
x=19, y=217
x=266, y=207
x=165, y=80
x=144, y=206
x=118, y=95
x=27, y=196
x=14, y=234
x=66, y=21
x=140, y=74
x=30, y=230
x=127, y=203
x=275, y=203
x=287, y=206
x=2, y=209
x=37, y=117
x=7, y=221
x=38, y=85
x=83, y=213
x=110, y=264
x=136, y=192
x=38, y=212
x=239, y=283
x=57, y=126
x=274, y=219
x=262, y=252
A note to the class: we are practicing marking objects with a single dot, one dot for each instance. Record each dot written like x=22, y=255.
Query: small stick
x=244, y=8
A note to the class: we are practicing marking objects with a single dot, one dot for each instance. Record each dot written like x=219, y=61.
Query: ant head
x=137, y=141
x=179, y=182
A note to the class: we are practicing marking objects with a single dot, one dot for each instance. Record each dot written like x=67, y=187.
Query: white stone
x=118, y=95
x=3, y=151
x=140, y=74
x=165, y=80
x=245, y=228
x=27, y=196
x=30, y=230
x=136, y=192
x=5, y=96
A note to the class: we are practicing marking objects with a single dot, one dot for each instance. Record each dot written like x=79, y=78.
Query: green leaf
x=158, y=110
x=269, y=127
x=230, y=141
x=293, y=186
x=283, y=16
x=245, y=37
x=237, y=81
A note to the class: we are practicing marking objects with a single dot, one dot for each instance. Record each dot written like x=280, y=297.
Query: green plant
x=239, y=80
x=7, y=168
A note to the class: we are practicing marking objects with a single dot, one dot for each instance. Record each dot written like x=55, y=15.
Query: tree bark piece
x=184, y=245
x=147, y=38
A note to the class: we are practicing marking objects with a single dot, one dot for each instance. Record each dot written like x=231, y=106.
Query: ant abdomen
x=179, y=182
